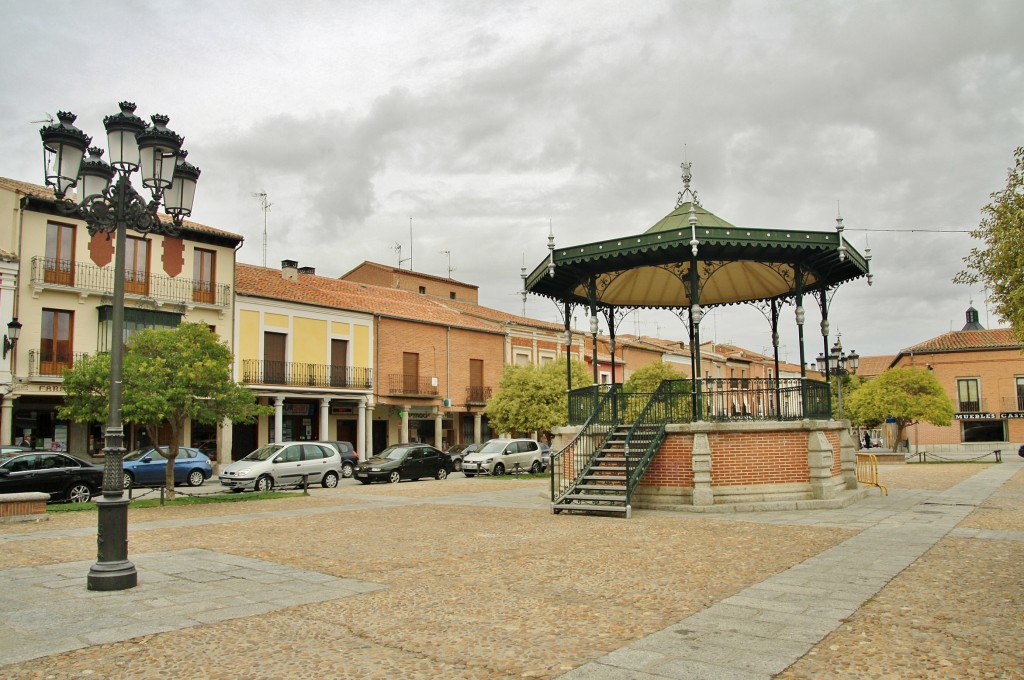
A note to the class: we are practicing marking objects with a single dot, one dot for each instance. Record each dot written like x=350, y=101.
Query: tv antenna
x=49, y=119
x=398, y=248
x=265, y=206
x=450, y=267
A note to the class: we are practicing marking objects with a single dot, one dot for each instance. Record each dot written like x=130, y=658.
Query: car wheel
x=458, y=465
x=394, y=477
x=264, y=483
x=79, y=493
x=441, y=473
x=536, y=467
x=347, y=469
x=498, y=469
x=196, y=478
x=128, y=480
x=330, y=480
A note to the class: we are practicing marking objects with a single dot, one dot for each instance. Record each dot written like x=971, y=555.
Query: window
x=967, y=393
x=476, y=381
x=135, y=320
x=522, y=359
x=423, y=290
x=203, y=277
x=1020, y=394
x=451, y=295
x=339, y=363
x=410, y=372
x=983, y=431
x=59, y=263
x=56, y=341
x=274, y=351
x=136, y=265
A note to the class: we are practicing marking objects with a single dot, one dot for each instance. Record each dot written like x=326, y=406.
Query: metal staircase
x=604, y=480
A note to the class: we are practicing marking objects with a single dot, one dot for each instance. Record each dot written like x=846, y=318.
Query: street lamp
x=839, y=364
x=107, y=208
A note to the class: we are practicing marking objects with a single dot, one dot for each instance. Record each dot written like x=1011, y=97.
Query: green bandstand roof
x=734, y=264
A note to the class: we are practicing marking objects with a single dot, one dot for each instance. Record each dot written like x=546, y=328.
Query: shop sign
x=337, y=410
x=975, y=416
x=296, y=409
x=1012, y=414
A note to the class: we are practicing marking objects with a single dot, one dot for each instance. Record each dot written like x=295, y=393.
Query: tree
x=532, y=399
x=999, y=265
x=647, y=378
x=170, y=376
x=908, y=395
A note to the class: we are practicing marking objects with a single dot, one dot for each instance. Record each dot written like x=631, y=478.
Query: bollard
x=161, y=496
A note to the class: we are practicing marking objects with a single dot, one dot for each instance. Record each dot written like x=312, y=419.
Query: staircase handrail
x=589, y=428
x=648, y=432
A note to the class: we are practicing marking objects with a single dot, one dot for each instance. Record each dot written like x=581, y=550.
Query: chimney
x=307, y=270
x=290, y=270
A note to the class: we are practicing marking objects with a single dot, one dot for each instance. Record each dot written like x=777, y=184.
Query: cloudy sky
x=461, y=130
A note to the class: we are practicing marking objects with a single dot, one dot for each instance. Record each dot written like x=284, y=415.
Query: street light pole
x=836, y=363
x=156, y=152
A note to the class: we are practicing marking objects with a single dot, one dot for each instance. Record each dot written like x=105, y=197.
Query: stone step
x=592, y=509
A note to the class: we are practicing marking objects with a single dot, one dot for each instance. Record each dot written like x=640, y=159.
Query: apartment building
x=57, y=282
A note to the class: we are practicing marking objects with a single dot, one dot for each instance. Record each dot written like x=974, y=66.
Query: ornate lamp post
x=837, y=363
x=112, y=209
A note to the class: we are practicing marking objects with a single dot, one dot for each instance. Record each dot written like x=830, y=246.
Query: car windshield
x=395, y=452
x=264, y=452
x=138, y=454
x=494, y=446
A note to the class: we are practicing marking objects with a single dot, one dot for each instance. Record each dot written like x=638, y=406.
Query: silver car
x=499, y=456
x=284, y=464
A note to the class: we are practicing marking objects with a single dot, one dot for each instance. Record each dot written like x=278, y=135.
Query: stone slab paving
x=47, y=609
x=761, y=631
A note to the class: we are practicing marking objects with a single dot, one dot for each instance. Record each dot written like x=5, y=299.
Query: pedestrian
x=26, y=441
x=867, y=440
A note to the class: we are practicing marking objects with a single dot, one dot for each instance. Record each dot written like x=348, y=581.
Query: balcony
x=40, y=366
x=411, y=385
x=264, y=372
x=970, y=406
x=86, y=279
x=477, y=394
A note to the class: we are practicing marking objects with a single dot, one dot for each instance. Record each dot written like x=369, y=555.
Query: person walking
x=867, y=440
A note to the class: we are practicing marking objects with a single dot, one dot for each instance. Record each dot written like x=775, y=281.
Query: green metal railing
x=668, y=404
x=721, y=400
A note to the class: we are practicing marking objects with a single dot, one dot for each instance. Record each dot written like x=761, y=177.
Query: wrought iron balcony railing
x=971, y=406
x=411, y=385
x=477, y=394
x=49, y=366
x=86, y=278
x=265, y=372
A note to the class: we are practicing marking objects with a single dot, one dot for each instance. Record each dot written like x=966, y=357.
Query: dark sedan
x=62, y=476
x=405, y=461
x=148, y=467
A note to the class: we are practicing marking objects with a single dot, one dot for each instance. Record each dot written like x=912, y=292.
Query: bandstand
x=702, y=444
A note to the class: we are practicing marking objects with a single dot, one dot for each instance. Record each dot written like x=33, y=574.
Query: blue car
x=148, y=467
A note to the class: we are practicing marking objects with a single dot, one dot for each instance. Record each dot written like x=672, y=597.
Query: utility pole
x=265, y=206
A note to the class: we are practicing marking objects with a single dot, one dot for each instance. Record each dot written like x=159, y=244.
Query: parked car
x=349, y=457
x=284, y=464
x=545, y=455
x=148, y=467
x=405, y=461
x=498, y=456
x=458, y=453
x=62, y=476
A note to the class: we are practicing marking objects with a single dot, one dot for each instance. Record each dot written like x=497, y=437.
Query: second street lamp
x=112, y=209
x=839, y=364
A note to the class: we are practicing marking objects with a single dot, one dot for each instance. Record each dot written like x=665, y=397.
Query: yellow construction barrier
x=867, y=471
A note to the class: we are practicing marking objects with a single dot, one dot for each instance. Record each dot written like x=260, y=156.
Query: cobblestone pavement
x=474, y=578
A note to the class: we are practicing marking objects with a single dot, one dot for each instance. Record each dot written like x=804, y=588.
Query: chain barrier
x=922, y=457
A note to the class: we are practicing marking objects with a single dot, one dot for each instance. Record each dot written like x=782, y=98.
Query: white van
x=284, y=464
x=499, y=456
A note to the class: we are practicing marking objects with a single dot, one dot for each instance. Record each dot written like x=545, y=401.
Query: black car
x=62, y=476
x=460, y=451
x=349, y=457
x=405, y=461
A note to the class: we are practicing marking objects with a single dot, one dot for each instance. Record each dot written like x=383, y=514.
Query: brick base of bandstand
x=749, y=466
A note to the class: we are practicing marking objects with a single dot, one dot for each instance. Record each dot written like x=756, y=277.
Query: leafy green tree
x=534, y=399
x=170, y=376
x=999, y=265
x=908, y=395
x=647, y=378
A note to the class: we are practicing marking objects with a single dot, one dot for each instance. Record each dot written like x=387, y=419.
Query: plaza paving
x=474, y=578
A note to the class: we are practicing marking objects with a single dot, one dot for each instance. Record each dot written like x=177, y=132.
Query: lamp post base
x=113, y=570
